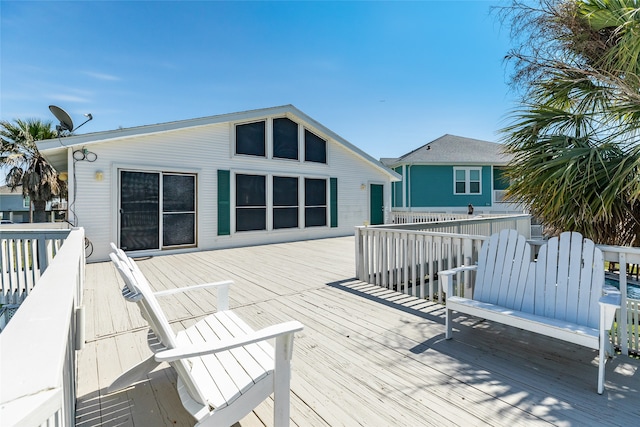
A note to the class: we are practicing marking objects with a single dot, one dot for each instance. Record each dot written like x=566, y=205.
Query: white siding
x=204, y=150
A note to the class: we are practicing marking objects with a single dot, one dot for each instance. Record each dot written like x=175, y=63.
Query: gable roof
x=56, y=148
x=454, y=150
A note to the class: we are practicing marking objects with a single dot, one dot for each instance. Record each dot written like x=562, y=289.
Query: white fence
x=24, y=256
x=408, y=261
x=37, y=376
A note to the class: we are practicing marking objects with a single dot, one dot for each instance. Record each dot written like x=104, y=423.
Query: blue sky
x=386, y=76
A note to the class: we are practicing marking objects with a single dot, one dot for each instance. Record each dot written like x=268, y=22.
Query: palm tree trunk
x=39, y=214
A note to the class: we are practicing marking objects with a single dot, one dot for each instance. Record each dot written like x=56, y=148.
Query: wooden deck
x=367, y=357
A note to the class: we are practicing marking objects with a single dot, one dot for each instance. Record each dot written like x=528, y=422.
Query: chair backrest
x=569, y=276
x=152, y=312
x=503, y=266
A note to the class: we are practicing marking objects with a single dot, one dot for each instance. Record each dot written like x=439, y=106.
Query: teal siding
x=432, y=186
x=500, y=180
x=396, y=190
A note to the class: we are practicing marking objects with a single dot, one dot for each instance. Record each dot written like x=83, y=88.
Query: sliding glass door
x=157, y=210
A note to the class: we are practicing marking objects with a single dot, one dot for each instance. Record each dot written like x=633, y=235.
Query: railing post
x=623, y=321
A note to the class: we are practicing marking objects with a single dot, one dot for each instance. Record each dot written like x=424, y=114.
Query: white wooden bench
x=225, y=368
x=559, y=295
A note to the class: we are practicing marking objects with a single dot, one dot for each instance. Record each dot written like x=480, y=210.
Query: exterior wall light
x=99, y=175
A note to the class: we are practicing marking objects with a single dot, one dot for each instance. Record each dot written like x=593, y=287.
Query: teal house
x=450, y=173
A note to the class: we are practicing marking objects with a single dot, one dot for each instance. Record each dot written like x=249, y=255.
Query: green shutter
x=224, y=204
x=333, y=197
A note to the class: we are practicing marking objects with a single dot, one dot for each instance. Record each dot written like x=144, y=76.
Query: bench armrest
x=609, y=303
x=447, y=277
x=223, y=292
x=195, y=350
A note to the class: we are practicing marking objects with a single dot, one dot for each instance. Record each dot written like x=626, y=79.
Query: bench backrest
x=569, y=276
x=503, y=267
x=565, y=282
x=136, y=282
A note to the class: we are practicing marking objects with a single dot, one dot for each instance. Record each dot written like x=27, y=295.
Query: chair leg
x=602, y=360
x=448, y=326
x=282, y=381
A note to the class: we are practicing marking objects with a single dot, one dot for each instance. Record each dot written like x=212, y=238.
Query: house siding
x=204, y=151
x=432, y=187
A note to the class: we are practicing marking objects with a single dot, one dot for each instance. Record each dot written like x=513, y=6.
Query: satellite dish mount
x=66, y=124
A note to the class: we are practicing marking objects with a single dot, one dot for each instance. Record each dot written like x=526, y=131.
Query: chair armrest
x=447, y=276
x=223, y=292
x=195, y=350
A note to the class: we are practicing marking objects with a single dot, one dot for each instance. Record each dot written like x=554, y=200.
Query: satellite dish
x=65, y=120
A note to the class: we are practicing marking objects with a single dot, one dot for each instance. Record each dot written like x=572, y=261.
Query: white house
x=253, y=177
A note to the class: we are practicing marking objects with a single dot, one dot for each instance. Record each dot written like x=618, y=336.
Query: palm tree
x=575, y=139
x=26, y=166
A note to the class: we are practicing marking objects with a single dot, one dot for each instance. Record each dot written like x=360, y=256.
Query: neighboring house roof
x=55, y=149
x=454, y=150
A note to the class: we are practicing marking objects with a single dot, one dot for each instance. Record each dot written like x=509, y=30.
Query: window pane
x=251, y=219
x=285, y=139
x=285, y=191
x=460, y=175
x=315, y=192
x=460, y=187
x=285, y=217
x=315, y=148
x=139, y=210
x=178, y=229
x=474, y=175
x=178, y=193
x=250, y=190
x=250, y=139
x=314, y=217
x=474, y=187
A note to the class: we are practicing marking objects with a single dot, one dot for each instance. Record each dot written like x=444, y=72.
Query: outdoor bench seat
x=560, y=295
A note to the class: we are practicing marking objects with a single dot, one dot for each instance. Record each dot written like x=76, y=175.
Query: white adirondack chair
x=225, y=369
x=559, y=295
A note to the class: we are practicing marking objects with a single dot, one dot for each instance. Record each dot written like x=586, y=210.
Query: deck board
x=367, y=356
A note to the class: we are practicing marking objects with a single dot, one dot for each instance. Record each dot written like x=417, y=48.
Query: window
x=250, y=139
x=251, y=202
x=26, y=202
x=315, y=202
x=315, y=148
x=467, y=180
x=285, y=202
x=285, y=139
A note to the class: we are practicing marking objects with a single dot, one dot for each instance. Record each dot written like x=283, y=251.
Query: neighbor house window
x=285, y=139
x=315, y=148
x=315, y=202
x=250, y=139
x=285, y=202
x=26, y=202
x=467, y=180
x=251, y=202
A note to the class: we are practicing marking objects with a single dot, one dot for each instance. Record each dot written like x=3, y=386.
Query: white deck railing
x=408, y=260
x=24, y=256
x=37, y=372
